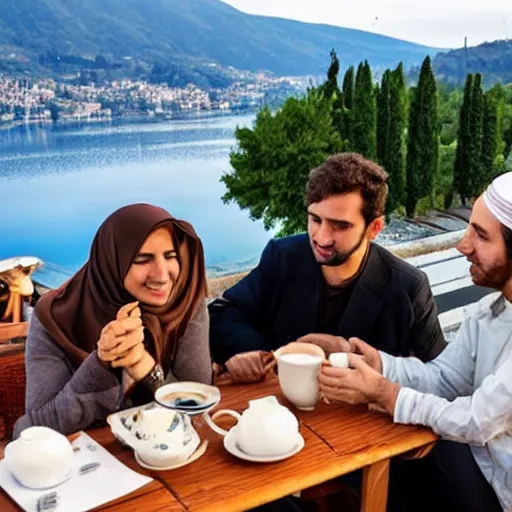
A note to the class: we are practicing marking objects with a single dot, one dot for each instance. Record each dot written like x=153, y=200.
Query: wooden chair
x=12, y=375
x=16, y=286
x=10, y=331
x=13, y=307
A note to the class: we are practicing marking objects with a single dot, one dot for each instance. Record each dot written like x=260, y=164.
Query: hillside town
x=45, y=100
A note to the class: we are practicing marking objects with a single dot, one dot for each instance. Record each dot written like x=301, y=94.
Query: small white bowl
x=40, y=458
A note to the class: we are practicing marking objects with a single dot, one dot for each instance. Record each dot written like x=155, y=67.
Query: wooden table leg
x=375, y=487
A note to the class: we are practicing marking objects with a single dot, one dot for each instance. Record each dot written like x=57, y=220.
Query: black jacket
x=391, y=306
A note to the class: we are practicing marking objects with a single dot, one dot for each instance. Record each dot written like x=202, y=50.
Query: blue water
x=58, y=183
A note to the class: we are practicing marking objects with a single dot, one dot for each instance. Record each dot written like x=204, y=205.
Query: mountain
x=38, y=35
x=492, y=60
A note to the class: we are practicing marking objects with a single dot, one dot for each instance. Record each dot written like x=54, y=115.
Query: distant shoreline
x=131, y=118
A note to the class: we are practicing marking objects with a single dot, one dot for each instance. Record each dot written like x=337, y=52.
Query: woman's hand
x=141, y=368
x=121, y=342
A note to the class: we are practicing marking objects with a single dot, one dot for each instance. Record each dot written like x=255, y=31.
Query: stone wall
x=428, y=245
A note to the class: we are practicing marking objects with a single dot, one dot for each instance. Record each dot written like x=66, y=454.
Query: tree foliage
x=273, y=159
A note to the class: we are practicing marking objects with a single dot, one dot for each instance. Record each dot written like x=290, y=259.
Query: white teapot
x=265, y=429
x=40, y=458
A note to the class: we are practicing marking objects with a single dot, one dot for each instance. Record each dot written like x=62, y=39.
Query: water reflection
x=59, y=183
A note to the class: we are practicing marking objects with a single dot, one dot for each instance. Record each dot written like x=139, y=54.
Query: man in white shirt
x=465, y=394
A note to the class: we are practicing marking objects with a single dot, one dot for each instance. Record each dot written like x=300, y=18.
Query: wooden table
x=339, y=439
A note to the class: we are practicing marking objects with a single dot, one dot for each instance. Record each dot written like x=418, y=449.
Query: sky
x=437, y=23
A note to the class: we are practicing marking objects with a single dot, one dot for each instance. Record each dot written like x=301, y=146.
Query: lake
x=58, y=183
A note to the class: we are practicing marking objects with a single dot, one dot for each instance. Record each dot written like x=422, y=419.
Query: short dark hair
x=346, y=172
x=507, y=237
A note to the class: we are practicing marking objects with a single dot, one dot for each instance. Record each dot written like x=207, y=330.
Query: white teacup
x=298, y=367
x=265, y=429
x=40, y=458
x=339, y=360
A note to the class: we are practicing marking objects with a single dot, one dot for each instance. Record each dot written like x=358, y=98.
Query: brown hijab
x=75, y=313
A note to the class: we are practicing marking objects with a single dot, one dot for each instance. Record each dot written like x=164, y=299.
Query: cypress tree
x=348, y=102
x=364, y=120
x=383, y=114
x=461, y=177
x=348, y=88
x=490, y=142
x=476, y=121
x=330, y=87
x=396, y=148
x=423, y=141
x=468, y=159
x=331, y=91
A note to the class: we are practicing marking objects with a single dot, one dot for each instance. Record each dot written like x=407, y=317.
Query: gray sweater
x=68, y=400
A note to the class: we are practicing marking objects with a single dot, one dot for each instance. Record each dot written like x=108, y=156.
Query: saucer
x=188, y=397
x=232, y=447
x=198, y=453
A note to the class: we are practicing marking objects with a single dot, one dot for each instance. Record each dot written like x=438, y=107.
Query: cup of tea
x=298, y=365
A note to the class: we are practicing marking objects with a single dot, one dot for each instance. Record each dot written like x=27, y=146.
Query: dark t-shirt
x=333, y=301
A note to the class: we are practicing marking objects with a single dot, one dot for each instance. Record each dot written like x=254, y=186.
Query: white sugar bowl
x=40, y=458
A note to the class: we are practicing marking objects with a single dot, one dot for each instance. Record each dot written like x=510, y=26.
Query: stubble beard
x=340, y=258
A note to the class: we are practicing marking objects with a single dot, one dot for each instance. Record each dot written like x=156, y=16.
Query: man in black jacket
x=331, y=284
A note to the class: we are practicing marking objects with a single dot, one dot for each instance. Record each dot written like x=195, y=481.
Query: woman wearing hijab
x=133, y=317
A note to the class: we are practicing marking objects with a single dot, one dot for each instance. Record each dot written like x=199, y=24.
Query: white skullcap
x=498, y=198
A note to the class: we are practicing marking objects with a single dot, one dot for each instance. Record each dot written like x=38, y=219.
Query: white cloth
x=465, y=394
x=498, y=198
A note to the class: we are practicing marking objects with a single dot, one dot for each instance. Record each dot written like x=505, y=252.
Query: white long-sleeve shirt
x=465, y=394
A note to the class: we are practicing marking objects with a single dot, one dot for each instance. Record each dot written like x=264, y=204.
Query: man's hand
x=250, y=366
x=370, y=354
x=327, y=342
x=360, y=384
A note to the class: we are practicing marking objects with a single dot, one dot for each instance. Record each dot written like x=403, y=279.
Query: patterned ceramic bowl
x=159, y=436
